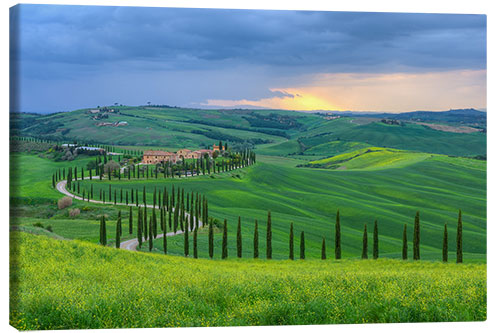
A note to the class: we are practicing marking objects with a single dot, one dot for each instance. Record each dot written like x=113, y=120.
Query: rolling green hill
x=370, y=158
x=269, y=130
x=76, y=285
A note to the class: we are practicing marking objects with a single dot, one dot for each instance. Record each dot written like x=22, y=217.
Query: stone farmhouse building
x=159, y=156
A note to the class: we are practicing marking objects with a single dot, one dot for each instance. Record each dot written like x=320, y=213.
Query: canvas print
x=182, y=167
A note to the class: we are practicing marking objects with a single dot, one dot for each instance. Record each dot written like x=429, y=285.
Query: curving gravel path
x=130, y=244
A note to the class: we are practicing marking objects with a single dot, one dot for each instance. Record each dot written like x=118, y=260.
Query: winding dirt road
x=130, y=244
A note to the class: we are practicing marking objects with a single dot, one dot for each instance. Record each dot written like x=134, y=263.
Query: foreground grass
x=81, y=285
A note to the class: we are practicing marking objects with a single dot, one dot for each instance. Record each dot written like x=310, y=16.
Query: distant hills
x=471, y=117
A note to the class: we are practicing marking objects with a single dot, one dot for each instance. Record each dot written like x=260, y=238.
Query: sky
x=70, y=57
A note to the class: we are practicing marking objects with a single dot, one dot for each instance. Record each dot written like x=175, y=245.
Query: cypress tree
x=118, y=230
x=323, y=250
x=130, y=221
x=126, y=198
x=459, y=238
x=186, y=240
x=155, y=224
x=224, y=241
x=256, y=240
x=53, y=182
x=120, y=218
x=364, y=253
x=165, y=240
x=211, y=240
x=136, y=198
x=302, y=245
x=139, y=226
x=195, y=243
x=145, y=223
x=170, y=219
x=405, y=244
x=104, y=237
x=115, y=196
x=290, y=243
x=269, y=249
x=338, y=250
x=238, y=239
x=191, y=220
x=416, y=237
x=445, y=243
x=375, y=240
x=150, y=234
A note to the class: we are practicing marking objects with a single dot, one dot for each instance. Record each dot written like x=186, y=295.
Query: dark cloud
x=69, y=42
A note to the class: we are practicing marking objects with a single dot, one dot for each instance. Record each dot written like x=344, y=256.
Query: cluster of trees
x=178, y=211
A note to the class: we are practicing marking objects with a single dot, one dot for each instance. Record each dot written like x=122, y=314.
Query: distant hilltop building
x=159, y=156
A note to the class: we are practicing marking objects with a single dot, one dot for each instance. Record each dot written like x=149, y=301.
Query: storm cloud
x=186, y=56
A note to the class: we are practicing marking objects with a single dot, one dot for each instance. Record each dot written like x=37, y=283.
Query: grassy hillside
x=267, y=129
x=369, y=158
x=310, y=198
x=80, y=285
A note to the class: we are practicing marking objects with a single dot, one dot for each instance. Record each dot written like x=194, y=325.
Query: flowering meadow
x=81, y=285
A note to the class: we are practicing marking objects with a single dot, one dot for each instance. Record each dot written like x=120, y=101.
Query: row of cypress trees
x=187, y=225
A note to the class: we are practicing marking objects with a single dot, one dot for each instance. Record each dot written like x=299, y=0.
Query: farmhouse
x=159, y=156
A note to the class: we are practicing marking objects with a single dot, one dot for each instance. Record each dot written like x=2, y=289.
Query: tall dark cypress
x=404, y=254
x=323, y=249
x=120, y=218
x=130, y=221
x=186, y=239
x=302, y=245
x=239, y=244
x=118, y=230
x=445, y=243
x=290, y=243
x=145, y=222
x=139, y=226
x=165, y=239
x=150, y=234
x=256, y=240
x=224, y=241
x=375, y=240
x=211, y=240
x=416, y=237
x=364, y=252
x=269, y=235
x=338, y=250
x=155, y=224
x=195, y=243
x=170, y=219
x=103, y=228
x=459, y=238
x=191, y=220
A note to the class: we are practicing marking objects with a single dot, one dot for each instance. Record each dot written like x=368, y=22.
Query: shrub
x=38, y=224
x=49, y=228
x=64, y=202
x=74, y=212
